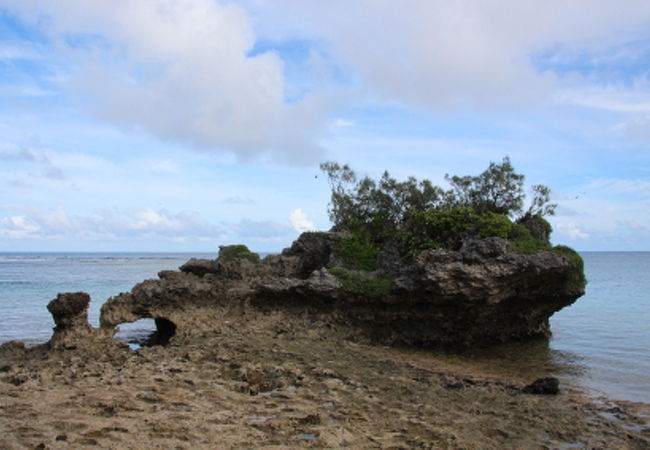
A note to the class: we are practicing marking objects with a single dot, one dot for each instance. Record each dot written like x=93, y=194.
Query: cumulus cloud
x=571, y=230
x=17, y=227
x=39, y=223
x=192, y=71
x=183, y=70
x=300, y=222
x=134, y=223
x=439, y=54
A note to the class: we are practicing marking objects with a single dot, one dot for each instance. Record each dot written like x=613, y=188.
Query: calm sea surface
x=602, y=342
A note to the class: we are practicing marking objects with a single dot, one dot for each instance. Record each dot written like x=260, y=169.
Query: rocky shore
x=298, y=350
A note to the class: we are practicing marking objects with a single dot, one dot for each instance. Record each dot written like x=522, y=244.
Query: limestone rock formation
x=481, y=294
x=70, y=314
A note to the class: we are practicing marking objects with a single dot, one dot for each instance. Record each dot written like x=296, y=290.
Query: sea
x=600, y=344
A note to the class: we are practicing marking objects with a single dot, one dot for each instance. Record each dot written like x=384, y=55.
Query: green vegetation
x=416, y=215
x=576, y=261
x=362, y=282
x=237, y=252
x=357, y=251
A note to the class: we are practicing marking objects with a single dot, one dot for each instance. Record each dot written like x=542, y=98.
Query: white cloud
x=632, y=98
x=300, y=222
x=58, y=223
x=17, y=227
x=143, y=224
x=571, y=231
x=181, y=70
x=340, y=123
x=440, y=54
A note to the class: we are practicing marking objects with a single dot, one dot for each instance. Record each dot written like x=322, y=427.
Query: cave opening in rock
x=136, y=333
x=146, y=332
x=165, y=330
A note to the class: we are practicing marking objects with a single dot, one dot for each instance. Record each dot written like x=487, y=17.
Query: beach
x=259, y=379
x=274, y=382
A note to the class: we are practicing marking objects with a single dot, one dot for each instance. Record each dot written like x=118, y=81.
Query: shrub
x=357, y=251
x=537, y=225
x=362, y=282
x=498, y=189
x=235, y=252
x=576, y=262
x=416, y=215
x=523, y=241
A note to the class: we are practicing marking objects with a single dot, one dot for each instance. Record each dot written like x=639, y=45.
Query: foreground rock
x=478, y=295
x=272, y=381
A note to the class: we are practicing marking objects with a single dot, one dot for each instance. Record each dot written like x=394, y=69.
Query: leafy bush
x=574, y=257
x=524, y=241
x=447, y=228
x=235, y=252
x=498, y=189
x=576, y=261
x=362, y=282
x=417, y=215
x=378, y=203
x=537, y=225
x=357, y=251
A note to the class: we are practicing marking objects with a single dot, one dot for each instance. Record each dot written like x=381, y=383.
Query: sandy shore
x=263, y=383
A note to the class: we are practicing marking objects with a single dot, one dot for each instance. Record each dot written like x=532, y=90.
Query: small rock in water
x=543, y=386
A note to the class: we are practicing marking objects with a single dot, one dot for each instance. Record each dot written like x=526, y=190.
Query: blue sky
x=180, y=125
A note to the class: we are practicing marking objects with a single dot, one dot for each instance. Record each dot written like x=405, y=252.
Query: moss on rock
x=362, y=282
x=235, y=252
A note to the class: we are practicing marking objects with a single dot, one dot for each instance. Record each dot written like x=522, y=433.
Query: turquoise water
x=602, y=342
x=608, y=330
x=29, y=281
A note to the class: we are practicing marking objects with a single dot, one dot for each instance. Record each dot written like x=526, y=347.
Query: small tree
x=415, y=214
x=367, y=202
x=540, y=205
x=498, y=189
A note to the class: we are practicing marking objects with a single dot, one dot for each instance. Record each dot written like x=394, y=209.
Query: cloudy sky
x=179, y=125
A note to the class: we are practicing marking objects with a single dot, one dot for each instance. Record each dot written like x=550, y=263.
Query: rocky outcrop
x=478, y=295
x=70, y=314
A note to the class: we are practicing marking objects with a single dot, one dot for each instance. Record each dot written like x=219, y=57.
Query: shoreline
x=275, y=381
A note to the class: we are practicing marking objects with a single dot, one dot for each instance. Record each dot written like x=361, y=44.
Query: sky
x=182, y=125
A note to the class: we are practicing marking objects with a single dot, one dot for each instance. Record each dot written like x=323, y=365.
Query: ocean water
x=29, y=281
x=600, y=343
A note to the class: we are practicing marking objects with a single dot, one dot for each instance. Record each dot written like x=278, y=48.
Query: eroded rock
x=481, y=294
x=70, y=313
